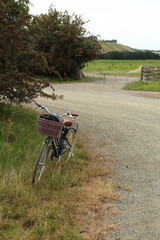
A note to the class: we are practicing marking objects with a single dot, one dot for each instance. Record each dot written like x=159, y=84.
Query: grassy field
x=143, y=86
x=63, y=205
x=117, y=65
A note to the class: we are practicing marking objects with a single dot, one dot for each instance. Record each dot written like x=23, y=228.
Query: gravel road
x=131, y=123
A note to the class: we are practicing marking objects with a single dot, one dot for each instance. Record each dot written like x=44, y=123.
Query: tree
x=63, y=40
x=17, y=80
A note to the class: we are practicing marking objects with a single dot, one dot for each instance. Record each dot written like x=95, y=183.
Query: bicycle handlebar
x=68, y=114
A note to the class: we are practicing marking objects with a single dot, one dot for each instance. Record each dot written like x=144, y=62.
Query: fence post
x=141, y=77
x=103, y=78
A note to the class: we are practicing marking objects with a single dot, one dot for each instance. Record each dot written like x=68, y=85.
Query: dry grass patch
x=92, y=209
x=92, y=206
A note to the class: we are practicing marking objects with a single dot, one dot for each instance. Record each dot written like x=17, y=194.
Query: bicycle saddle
x=67, y=122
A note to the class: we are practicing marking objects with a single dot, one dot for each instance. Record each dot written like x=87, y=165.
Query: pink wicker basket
x=49, y=128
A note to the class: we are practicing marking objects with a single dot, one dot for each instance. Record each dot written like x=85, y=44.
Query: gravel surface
x=130, y=122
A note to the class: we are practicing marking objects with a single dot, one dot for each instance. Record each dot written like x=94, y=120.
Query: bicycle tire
x=67, y=146
x=41, y=161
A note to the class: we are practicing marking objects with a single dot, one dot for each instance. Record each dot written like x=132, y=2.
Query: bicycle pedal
x=53, y=156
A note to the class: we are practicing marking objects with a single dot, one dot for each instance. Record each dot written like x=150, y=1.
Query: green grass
x=117, y=65
x=63, y=204
x=43, y=212
x=143, y=86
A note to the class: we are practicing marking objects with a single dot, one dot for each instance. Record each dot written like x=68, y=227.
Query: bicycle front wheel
x=67, y=146
x=41, y=161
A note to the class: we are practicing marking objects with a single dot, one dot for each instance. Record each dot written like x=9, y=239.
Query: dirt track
x=131, y=123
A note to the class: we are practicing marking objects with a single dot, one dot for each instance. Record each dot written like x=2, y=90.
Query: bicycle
x=59, y=139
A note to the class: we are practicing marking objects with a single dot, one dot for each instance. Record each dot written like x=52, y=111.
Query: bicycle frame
x=57, y=144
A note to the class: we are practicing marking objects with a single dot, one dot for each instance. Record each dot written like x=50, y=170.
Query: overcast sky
x=135, y=23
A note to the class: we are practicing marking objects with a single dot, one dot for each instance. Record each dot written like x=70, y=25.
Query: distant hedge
x=136, y=55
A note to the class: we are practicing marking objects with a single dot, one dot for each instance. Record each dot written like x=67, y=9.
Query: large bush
x=62, y=38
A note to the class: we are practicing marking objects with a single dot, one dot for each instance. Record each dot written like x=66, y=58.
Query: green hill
x=109, y=46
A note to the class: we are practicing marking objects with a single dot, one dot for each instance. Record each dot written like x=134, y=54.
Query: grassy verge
x=68, y=202
x=143, y=86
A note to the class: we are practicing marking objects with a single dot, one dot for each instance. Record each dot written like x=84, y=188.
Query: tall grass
x=54, y=209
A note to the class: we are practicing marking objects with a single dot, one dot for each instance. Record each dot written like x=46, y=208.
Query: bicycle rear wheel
x=41, y=161
x=67, y=146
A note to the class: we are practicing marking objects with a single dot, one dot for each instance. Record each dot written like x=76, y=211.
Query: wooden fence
x=150, y=73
